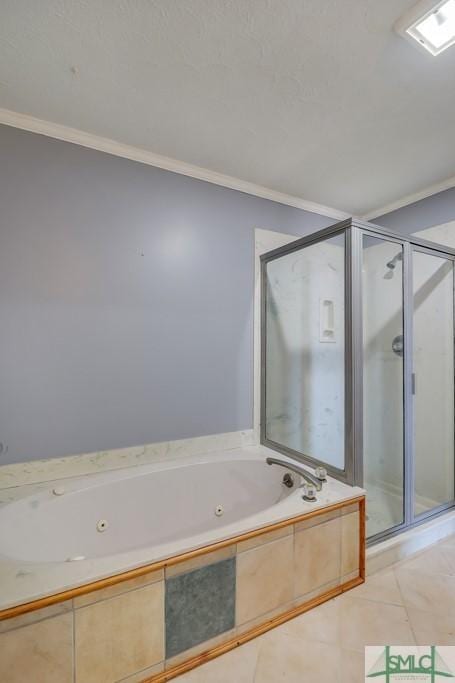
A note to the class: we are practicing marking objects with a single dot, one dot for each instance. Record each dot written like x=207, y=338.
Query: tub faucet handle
x=320, y=473
x=309, y=492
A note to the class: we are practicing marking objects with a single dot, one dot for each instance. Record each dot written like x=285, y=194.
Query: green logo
x=424, y=661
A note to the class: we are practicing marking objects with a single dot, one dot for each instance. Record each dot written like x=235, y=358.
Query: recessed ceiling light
x=431, y=24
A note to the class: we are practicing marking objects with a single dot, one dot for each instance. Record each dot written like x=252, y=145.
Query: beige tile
x=144, y=674
x=41, y=652
x=383, y=560
x=450, y=540
x=197, y=649
x=118, y=589
x=352, y=667
x=201, y=561
x=283, y=657
x=349, y=509
x=448, y=551
x=431, y=628
x=429, y=592
x=120, y=636
x=320, y=624
x=317, y=519
x=37, y=615
x=264, y=579
x=365, y=622
x=350, y=542
x=381, y=587
x=346, y=578
x=317, y=556
x=431, y=561
x=265, y=538
x=263, y=618
x=236, y=666
x=319, y=591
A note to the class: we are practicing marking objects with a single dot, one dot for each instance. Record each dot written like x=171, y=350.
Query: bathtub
x=108, y=515
x=68, y=532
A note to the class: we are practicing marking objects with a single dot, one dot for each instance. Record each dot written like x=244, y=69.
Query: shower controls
x=309, y=493
x=102, y=525
x=58, y=491
x=320, y=473
x=397, y=345
x=219, y=510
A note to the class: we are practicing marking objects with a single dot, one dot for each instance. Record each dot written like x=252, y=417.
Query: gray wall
x=126, y=299
x=434, y=210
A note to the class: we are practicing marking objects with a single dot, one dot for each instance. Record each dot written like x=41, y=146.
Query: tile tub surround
x=191, y=609
x=328, y=643
x=200, y=604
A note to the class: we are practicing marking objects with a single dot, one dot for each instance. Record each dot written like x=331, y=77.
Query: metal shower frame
x=354, y=229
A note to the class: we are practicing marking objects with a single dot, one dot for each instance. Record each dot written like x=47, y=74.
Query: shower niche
x=357, y=366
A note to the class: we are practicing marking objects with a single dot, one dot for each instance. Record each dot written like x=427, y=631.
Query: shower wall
x=383, y=369
x=442, y=234
x=434, y=366
x=305, y=345
x=383, y=445
x=433, y=358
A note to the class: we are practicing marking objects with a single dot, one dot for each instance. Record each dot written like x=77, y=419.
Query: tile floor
x=412, y=602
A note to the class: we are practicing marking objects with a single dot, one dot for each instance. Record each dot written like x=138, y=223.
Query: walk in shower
x=357, y=366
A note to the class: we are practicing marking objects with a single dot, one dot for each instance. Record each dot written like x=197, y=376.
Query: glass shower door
x=383, y=383
x=433, y=386
x=303, y=392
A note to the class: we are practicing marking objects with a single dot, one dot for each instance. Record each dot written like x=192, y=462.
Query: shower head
x=392, y=264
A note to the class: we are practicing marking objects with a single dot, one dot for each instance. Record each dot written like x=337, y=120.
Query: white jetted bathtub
x=76, y=530
x=108, y=515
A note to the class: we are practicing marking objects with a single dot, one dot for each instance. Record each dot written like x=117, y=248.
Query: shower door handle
x=413, y=383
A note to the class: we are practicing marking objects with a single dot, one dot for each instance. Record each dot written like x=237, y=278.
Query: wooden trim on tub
x=55, y=598
x=214, y=652
x=362, y=537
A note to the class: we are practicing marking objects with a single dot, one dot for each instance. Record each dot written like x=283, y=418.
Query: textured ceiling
x=315, y=98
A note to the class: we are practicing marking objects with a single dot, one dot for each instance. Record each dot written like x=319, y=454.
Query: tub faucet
x=309, y=478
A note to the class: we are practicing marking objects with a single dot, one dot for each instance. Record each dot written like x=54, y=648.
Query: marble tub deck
x=409, y=603
x=22, y=582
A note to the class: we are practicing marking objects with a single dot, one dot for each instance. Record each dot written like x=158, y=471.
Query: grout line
x=74, y=644
x=117, y=595
x=39, y=620
x=256, y=664
x=340, y=542
x=141, y=671
x=406, y=609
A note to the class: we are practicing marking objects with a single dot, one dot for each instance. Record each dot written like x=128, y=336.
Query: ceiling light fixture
x=431, y=24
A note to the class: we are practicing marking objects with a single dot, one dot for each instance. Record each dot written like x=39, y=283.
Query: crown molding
x=411, y=198
x=143, y=156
